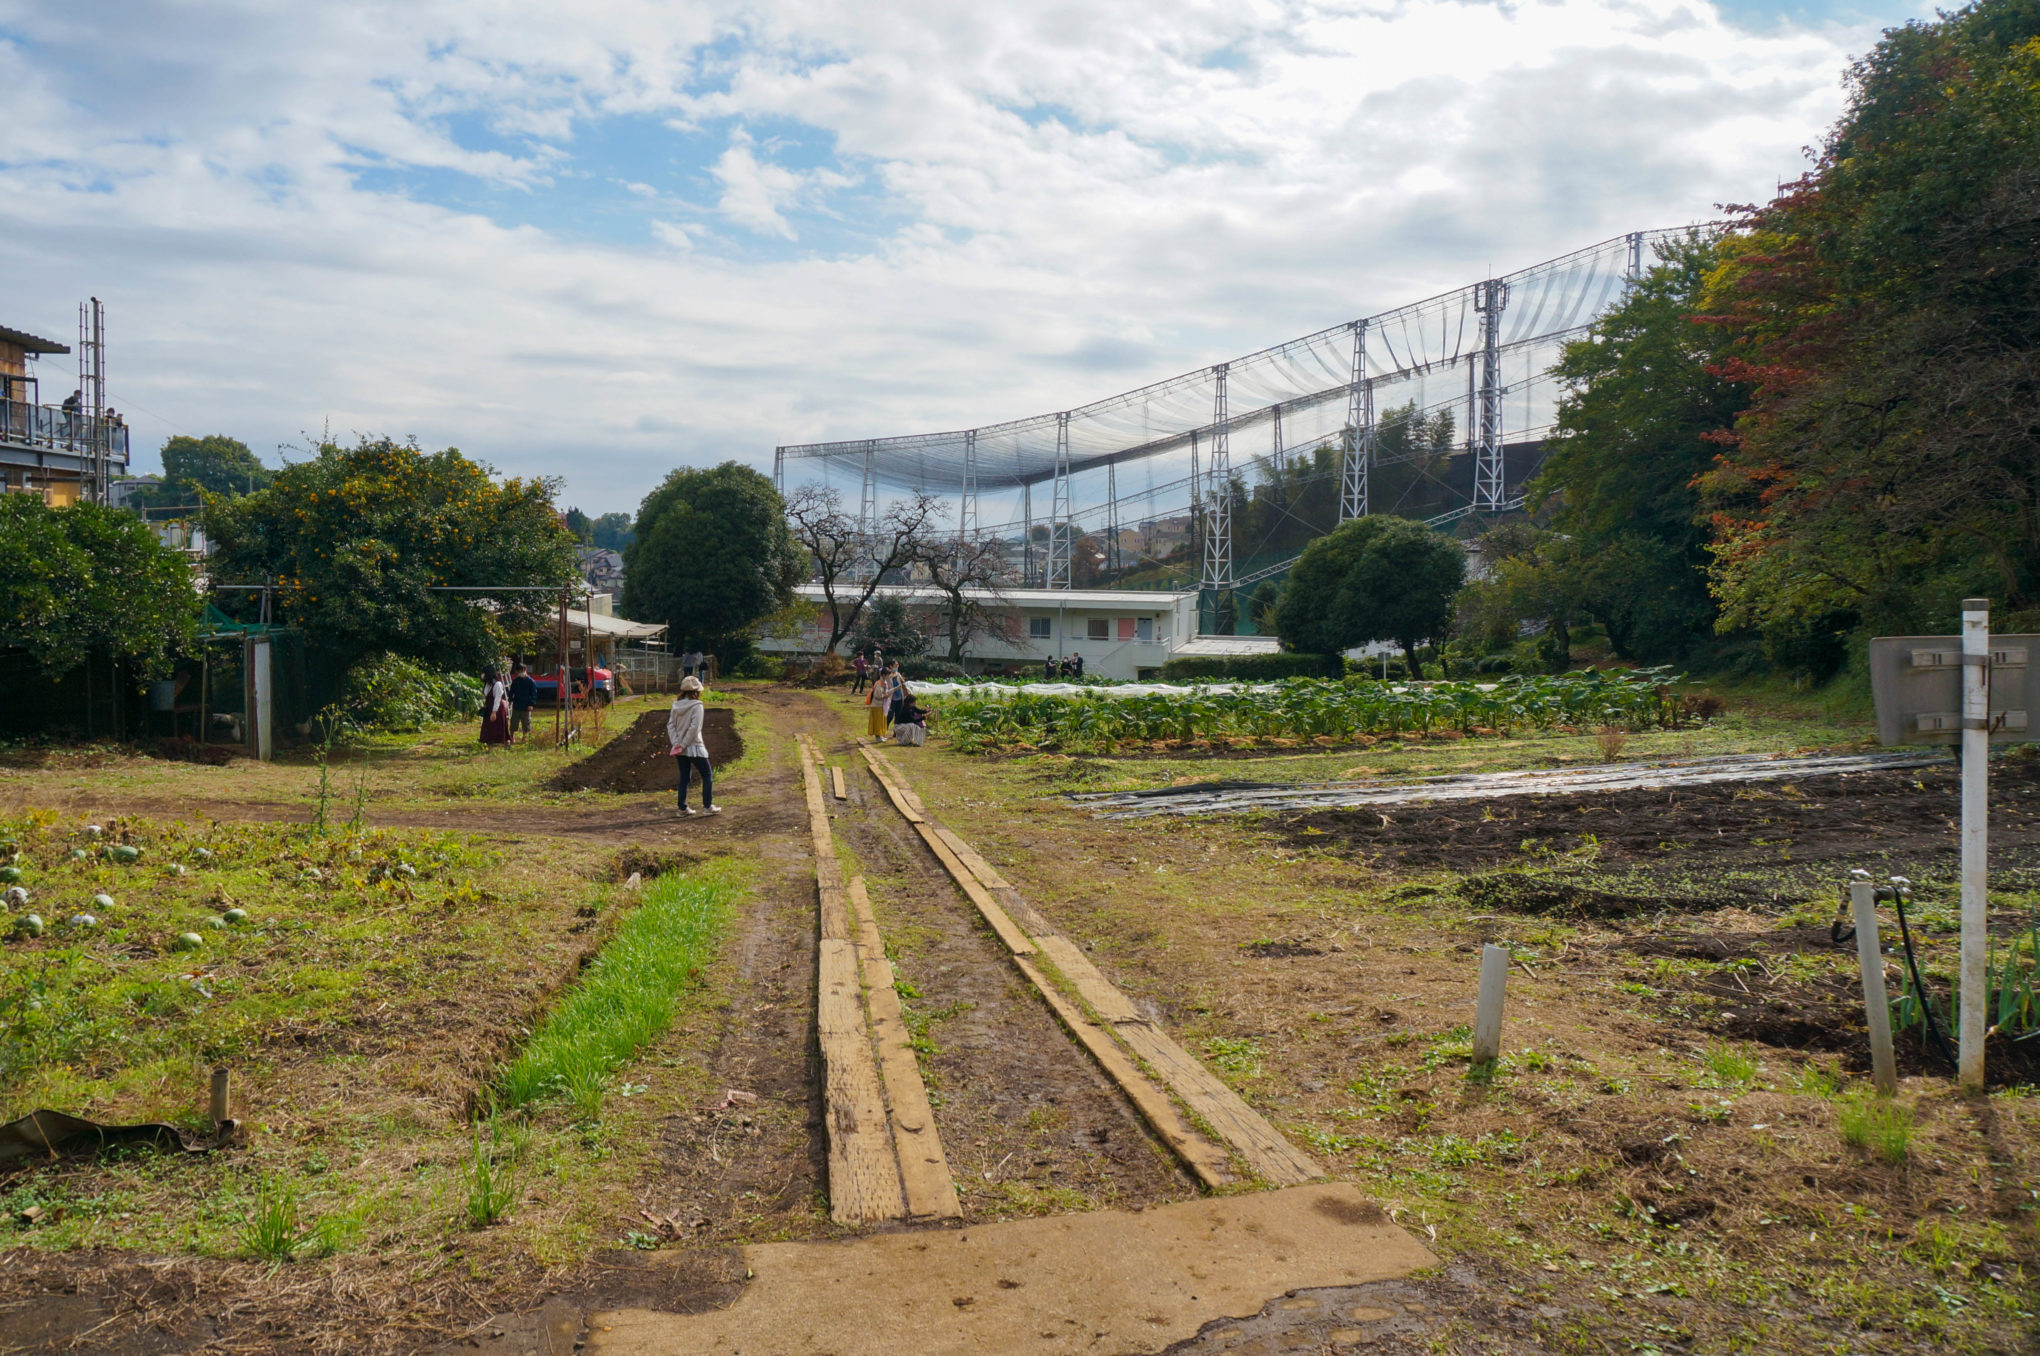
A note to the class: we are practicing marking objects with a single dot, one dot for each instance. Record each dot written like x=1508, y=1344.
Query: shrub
x=920, y=669
x=1256, y=667
x=390, y=693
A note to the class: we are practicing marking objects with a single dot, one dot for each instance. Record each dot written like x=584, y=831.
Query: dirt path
x=1027, y=1120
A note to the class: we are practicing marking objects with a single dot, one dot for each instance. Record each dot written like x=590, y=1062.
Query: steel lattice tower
x=1060, y=526
x=1359, y=458
x=1489, y=489
x=867, y=507
x=967, y=509
x=1218, y=500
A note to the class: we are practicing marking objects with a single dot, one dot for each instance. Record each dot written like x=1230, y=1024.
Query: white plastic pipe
x=1863, y=902
x=1487, y=1013
x=1975, y=827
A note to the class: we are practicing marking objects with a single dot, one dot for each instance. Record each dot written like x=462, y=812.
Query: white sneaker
x=713, y=810
x=686, y=811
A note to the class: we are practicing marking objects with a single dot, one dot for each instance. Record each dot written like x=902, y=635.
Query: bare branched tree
x=971, y=575
x=849, y=565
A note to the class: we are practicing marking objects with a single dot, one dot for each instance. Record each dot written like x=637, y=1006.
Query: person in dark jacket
x=523, y=696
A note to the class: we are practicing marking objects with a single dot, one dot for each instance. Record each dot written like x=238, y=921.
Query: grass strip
x=628, y=996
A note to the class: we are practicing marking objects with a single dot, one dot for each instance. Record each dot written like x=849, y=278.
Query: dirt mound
x=638, y=861
x=640, y=759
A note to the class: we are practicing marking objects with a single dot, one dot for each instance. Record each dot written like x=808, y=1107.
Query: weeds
x=1729, y=1067
x=1610, y=739
x=1235, y=1055
x=1883, y=1127
x=491, y=1177
x=627, y=998
x=272, y=1232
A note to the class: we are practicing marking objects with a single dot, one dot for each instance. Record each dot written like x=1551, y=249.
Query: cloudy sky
x=601, y=239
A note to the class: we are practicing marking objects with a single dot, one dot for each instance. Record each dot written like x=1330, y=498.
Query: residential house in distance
x=51, y=447
x=602, y=568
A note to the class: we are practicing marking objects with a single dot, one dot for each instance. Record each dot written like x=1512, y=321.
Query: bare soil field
x=1663, y=1161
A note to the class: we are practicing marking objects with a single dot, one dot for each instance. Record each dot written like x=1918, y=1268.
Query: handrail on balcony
x=56, y=429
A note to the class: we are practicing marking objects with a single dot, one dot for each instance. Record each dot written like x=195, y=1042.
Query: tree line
x=1819, y=422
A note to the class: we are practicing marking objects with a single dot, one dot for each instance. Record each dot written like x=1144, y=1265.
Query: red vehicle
x=601, y=691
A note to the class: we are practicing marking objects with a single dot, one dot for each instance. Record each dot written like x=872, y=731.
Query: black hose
x=1919, y=986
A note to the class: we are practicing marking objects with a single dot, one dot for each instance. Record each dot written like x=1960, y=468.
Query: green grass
x=1729, y=1067
x=273, y=1233
x=627, y=998
x=1882, y=1127
x=491, y=1173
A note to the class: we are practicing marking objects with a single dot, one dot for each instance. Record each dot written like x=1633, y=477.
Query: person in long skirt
x=879, y=699
x=495, y=711
x=683, y=733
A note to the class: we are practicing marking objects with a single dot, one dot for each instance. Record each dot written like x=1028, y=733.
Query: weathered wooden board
x=1009, y=932
x=1209, y=1161
x=979, y=867
x=1107, y=1001
x=908, y=808
x=836, y=783
x=924, y=1168
x=864, y=1170
x=1259, y=1144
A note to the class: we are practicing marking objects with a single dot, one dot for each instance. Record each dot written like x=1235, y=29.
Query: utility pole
x=967, y=510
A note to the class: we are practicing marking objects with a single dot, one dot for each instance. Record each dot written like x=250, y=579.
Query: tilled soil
x=1027, y=1121
x=639, y=759
x=1900, y=816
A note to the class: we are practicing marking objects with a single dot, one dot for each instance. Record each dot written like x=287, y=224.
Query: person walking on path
x=523, y=696
x=683, y=733
x=690, y=664
x=857, y=667
x=878, y=701
x=495, y=710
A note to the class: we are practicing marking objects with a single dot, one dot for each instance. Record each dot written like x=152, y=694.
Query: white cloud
x=1028, y=205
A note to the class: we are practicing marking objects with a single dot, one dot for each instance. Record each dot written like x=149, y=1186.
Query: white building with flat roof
x=1121, y=633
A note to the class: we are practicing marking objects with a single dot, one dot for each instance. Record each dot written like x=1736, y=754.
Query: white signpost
x=1970, y=691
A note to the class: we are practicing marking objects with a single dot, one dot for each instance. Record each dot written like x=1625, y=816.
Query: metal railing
x=52, y=428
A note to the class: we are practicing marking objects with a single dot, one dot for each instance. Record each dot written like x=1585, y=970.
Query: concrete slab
x=1114, y=1281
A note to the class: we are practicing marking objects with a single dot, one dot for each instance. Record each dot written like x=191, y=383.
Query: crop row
x=1307, y=708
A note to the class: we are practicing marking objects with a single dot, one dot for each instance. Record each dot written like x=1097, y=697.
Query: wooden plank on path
x=1107, y=1001
x=893, y=790
x=864, y=1173
x=892, y=771
x=979, y=867
x=1009, y=932
x=836, y=783
x=924, y=1169
x=1272, y=1157
x=1209, y=1161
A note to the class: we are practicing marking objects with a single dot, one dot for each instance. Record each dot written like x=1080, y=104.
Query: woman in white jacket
x=683, y=732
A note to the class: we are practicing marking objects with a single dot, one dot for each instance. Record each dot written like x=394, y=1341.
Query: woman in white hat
x=683, y=732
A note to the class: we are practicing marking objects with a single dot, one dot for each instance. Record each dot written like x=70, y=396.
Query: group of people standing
x=1069, y=666
x=891, y=711
x=506, y=707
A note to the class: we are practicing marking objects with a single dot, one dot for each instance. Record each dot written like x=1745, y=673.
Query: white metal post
x=262, y=720
x=1876, y=1007
x=1975, y=822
